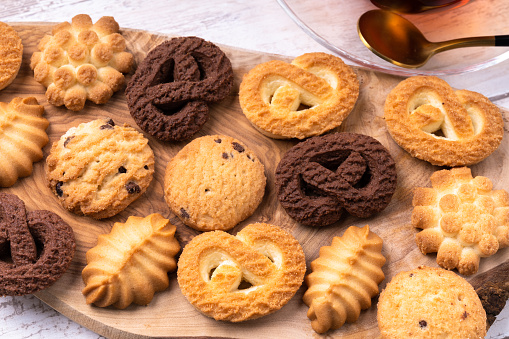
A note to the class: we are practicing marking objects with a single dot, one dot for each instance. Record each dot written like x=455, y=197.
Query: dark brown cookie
x=41, y=246
x=169, y=93
x=319, y=178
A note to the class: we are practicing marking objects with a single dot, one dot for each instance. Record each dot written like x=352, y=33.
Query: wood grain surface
x=169, y=314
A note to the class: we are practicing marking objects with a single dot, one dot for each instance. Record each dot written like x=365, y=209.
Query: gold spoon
x=397, y=40
x=415, y=6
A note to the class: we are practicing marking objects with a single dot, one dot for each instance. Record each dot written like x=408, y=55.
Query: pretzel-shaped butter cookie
x=81, y=61
x=421, y=108
x=236, y=278
x=272, y=94
x=462, y=219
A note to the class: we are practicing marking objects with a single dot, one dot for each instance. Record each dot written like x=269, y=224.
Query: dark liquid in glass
x=416, y=6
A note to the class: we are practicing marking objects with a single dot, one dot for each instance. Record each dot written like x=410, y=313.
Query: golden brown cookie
x=22, y=137
x=11, y=53
x=242, y=277
x=435, y=123
x=135, y=267
x=81, y=61
x=344, y=278
x=462, y=219
x=430, y=303
x=308, y=97
x=97, y=168
x=214, y=183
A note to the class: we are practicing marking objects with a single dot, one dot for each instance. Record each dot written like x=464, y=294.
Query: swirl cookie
x=22, y=137
x=432, y=122
x=308, y=97
x=82, y=61
x=97, y=168
x=41, y=246
x=133, y=269
x=462, y=219
x=242, y=277
x=318, y=179
x=168, y=96
x=344, y=278
x=430, y=303
x=214, y=183
x=11, y=53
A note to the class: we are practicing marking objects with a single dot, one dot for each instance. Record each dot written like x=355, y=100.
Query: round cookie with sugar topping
x=462, y=219
x=214, y=183
x=82, y=61
x=429, y=302
x=98, y=168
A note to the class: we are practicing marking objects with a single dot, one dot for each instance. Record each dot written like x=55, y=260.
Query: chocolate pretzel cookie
x=319, y=178
x=169, y=93
x=26, y=232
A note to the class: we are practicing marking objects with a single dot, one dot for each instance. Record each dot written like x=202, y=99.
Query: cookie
x=344, y=278
x=430, y=303
x=40, y=244
x=214, y=183
x=320, y=178
x=435, y=123
x=463, y=219
x=242, y=277
x=22, y=137
x=82, y=61
x=97, y=168
x=308, y=97
x=135, y=267
x=11, y=53
x=169, y=94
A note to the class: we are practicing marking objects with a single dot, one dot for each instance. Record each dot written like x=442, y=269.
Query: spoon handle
x=501, y=40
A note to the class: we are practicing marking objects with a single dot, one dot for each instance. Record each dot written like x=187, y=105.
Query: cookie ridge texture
x=344, y=278
x=214, y=182
x=242, y=277
x=272, y=95
x=131, y=263
x=22, y=137
x=82, y=61
x=435, y=123
x=462, y=219
x=98, y=168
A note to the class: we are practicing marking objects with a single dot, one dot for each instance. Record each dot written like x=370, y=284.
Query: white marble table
x=256, y=25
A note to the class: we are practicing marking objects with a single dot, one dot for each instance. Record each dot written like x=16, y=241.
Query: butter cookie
x=81, y=61
x=435, y=123
x=133, y=269
x=11, y=53
x=242, y=277
x=22, y=137
x=308, y=97
x=98, y=168
x=462, y=219
x=214, y=182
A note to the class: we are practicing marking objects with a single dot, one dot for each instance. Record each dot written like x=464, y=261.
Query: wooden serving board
x=169, y=314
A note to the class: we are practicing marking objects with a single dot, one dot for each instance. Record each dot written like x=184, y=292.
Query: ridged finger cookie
x=22, y=137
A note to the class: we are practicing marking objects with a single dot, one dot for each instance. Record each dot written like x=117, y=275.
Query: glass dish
x=333, y=24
